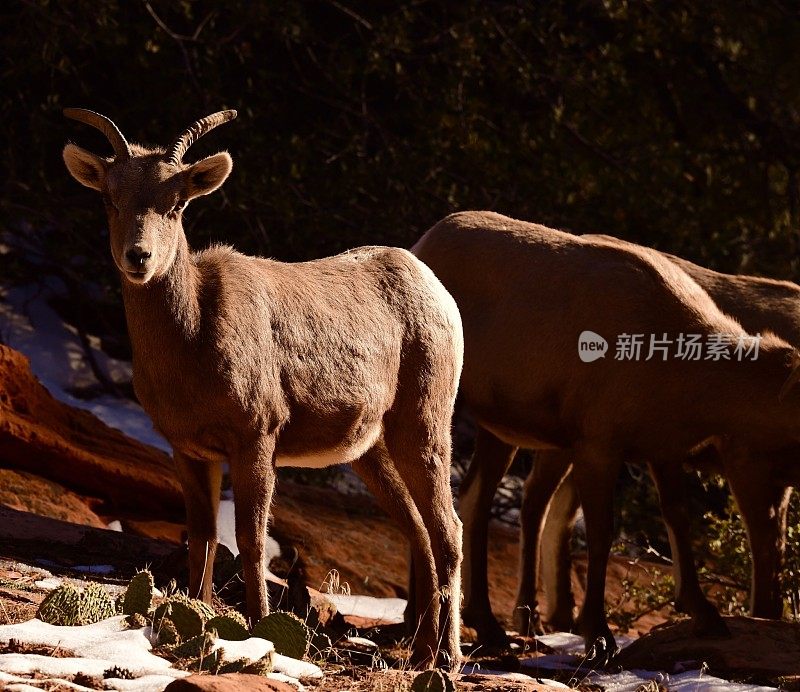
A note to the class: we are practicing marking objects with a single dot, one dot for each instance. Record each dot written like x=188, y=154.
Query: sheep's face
x=145, y=196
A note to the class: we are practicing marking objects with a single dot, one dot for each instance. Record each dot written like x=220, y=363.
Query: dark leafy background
x=673, y=123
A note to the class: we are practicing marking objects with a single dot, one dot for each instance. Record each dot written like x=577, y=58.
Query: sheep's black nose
x=137, y=256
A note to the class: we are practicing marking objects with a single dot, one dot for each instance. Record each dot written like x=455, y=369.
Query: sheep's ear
x=207, y=175
x=87, y=168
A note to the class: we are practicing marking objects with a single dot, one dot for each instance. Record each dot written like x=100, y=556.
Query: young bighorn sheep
x=526, y=293
x=258, y=363
x=759, y=305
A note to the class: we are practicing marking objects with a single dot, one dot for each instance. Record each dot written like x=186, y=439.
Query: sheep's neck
x=164, y=314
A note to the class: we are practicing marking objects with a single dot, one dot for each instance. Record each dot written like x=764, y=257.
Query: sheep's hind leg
x=201, y=482
x=378, y=472
x=422, y=459
x=549, y=504
x=689, y=597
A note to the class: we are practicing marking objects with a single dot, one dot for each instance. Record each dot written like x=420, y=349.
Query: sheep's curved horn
x=121, y=147
x=194, y=132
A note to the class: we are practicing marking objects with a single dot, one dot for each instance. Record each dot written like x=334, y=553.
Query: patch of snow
x=48, y=584
x=108, y=640
x=570, y=654
x=14, y=683
x=361, y=641
x=563, y=642
x=28, y=664
x=693, y=680
x=280, y=677
x=253, y=649
x=31, y=326
x=697, y=680
x=296, y=669
x=387, y=609
x=115, y=525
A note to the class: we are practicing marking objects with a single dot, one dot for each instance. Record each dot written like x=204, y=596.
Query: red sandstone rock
x=230, y=682
x=29, y=493
x=50, y=439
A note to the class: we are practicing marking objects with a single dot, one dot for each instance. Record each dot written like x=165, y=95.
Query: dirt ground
x=332, y=533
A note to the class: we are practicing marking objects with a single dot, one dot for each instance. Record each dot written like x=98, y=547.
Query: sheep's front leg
x=491, y=460
x=253, y=481
x=200, y=482
x=595, y=471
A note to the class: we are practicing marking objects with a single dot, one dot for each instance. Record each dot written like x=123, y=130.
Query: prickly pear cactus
x=167, y=634
x=61, y=606
x=136, y=621
x=139, y=594
x=262, y=666
x=96, y=604
x=187, y=614
x=228, y=627
x=66, y=605
x=287, y=632
x=195, y=647
x=432, y=681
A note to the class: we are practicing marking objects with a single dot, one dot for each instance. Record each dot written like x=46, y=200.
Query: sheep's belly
x=318, y=459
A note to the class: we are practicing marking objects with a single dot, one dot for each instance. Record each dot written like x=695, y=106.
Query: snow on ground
x=29, y=325
x=568, y=646
x=103, y=644
x=108, y=643
x=370, y=607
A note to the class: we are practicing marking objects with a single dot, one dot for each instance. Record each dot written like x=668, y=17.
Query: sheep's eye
x=179, y=207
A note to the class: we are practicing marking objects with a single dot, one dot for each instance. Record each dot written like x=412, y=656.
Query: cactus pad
x=199, y=646
x=136, y=621
x=287, y=632
x=432, y=681
x=167, y=634
x=228, y=627
x=139, y=594
x=187, y=614
x=66, y=605
x=262, y=666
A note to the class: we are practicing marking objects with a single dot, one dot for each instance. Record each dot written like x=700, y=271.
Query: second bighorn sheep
x=258, y=363
x=759, y=305
x=526, y=293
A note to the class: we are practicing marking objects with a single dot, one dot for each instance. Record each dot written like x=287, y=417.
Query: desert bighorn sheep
x=526, y=293
x=258, y=363
x=760, y=305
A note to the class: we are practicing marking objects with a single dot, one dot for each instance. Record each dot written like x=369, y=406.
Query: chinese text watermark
x=635, y=347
